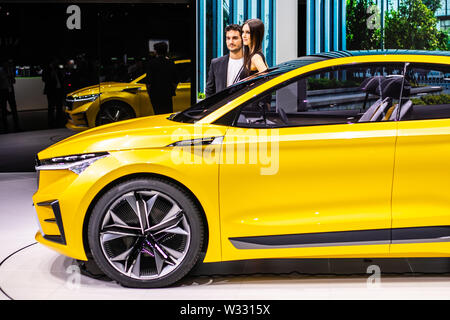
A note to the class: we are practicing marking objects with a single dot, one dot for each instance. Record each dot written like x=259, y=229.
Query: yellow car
x=115, y=101
x=336, y=155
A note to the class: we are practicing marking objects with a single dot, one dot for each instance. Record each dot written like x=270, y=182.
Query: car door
x=421, y=189
x=302, y=176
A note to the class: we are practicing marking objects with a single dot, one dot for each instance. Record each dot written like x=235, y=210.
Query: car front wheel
x=113, y=111
x=146, y=233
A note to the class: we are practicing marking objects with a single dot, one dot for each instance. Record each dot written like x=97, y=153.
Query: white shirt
x=234, y=66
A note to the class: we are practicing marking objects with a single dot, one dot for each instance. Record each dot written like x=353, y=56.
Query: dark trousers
x=3, y=112
x=161, y=104
x=13, y=106
x=55, y=100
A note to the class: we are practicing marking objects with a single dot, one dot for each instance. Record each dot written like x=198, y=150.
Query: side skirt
x=345, y=238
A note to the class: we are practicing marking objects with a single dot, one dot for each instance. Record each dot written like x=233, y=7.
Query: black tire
x=113, y=111
x=139, y=263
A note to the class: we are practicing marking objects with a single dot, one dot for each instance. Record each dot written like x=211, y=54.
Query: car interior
x=375, y=99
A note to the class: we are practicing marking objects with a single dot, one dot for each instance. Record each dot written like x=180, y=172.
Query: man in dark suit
x=224, y=71
x=4, y=86
x=161, y=80
x=53, y=78
x=7, y=79
x=11, y=94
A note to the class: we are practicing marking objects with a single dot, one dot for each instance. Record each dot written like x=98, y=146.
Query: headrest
x=386, y=86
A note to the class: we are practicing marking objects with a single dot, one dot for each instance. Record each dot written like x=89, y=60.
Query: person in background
x=8, y=67
x=53, y=78
x=252, y=36
x=4, y=87
x=12, y=95
x=161, y=80
x=226, y=70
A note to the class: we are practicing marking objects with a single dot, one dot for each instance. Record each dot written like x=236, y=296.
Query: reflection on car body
x=116, y=101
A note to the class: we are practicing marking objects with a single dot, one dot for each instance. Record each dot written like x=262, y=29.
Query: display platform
x=28, y=270
x=36, y=272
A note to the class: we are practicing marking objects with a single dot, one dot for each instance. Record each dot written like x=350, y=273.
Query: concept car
x=110, y=102
x=335, y=155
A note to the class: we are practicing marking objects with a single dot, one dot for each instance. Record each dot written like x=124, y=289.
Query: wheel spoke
x=123, y=256
x=161, y=254
x=142, y=212
x=109, y=115
x=174, y=254
x=132, y=200
x=136, y=268
x=117, y=220
x=174, y=228
x=159, y=263
x=116, y=116
x=133, y=256
x=121, y=230
x=149, y=206
x=172, y=212
x=109, y=236
x=173, y=222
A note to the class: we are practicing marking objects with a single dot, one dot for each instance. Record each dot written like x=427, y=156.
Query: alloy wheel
x=112, y=113
x=144, y=235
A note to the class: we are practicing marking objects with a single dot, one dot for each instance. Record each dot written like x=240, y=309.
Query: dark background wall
x=113, y=36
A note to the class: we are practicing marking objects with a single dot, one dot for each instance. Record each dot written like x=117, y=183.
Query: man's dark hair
x=161, y=48
x=234, y=27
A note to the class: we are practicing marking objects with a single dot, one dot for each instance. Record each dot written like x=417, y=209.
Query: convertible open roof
x=305, y=60
x=342, y=54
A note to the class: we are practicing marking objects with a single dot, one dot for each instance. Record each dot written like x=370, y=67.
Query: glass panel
x=430, y=93
x=48, y=50
x=365, y=93
x=54, y=56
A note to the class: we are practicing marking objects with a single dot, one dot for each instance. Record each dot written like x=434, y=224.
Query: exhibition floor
x=29, y=270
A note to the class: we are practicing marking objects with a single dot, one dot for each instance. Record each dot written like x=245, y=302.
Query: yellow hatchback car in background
x=336, y=155
x=116, y=101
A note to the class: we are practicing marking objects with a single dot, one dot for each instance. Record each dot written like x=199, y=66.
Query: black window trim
x=292, y=80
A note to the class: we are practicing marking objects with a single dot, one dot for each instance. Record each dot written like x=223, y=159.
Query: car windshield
x=214, y=102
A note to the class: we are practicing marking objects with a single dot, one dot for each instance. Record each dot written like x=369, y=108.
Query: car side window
x=341, y=95
x=429, y=97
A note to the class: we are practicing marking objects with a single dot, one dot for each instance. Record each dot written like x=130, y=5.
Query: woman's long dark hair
x=256, y=27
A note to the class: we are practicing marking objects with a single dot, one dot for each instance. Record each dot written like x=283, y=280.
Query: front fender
x=201, y=180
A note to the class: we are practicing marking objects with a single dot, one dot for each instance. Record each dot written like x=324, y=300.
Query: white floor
x=29, y=270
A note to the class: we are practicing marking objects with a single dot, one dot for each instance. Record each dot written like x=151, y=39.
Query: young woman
x=252, y=37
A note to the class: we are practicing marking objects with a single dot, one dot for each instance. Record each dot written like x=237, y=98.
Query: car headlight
x=75, y=163
x=87, y=98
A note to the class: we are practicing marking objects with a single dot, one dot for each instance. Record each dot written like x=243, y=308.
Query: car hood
x=103, y=87
x=142, y=133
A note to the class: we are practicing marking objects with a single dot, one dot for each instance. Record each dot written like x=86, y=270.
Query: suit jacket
x=4, y=83
x=161, y=77
x=217, y=75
